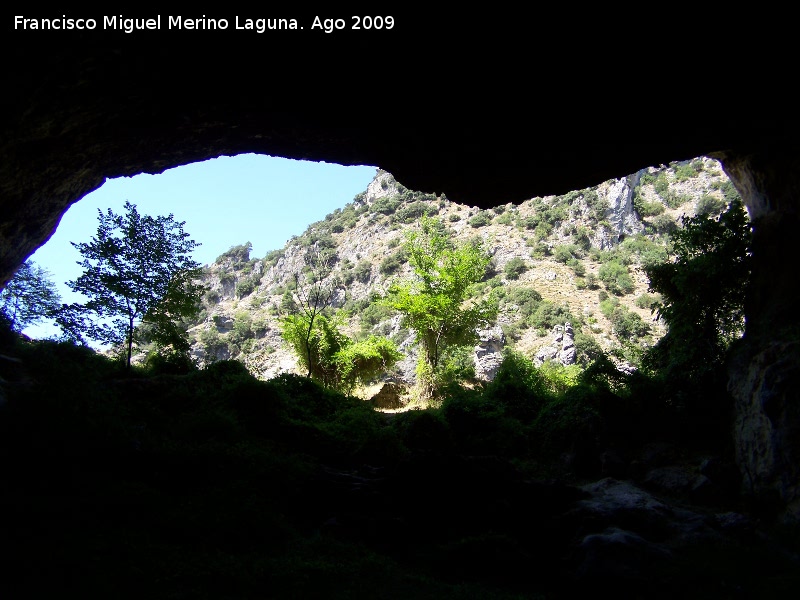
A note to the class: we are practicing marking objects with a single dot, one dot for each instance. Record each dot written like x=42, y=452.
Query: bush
x=548, y=314
x=386, y=205
x=664, y=224
x=709, y=205
x=415, y=211
x=169, y=363
x=661, y=185
x=481, y=219
x=647, y=301
x=515, y=268
x=616, y=278
x=645, y=208
x=506, y=218
x=519, y=387
x=728, y=190
x=238, y=254
x=684, y=172
x=246, y=285
x=566, y=252
x=363, y=271
x=577, y=267
x=628, y=325
x=393, y=262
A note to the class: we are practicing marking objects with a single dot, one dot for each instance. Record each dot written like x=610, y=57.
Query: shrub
x=238, y=254
x=628, y=325
x=386, y=205
x=577, y=267
x=515, y=268
x=548, y=314
x=587, y=349
x=424, y=430
x=645, y=208
x=246, y=285
x=698, y=165
x=169, y=363
x=616, y=278
x=675, y=200
x=519, y=387
x=393, y=262
x=363, y=271
x=565, y=252
x=481, y=219
x=661, y=185
x=664, y=224
x=373, y=314
x=709, y=205
x=684, y=172
x=647, y=300
x=415, y=211
x=506, y=218
x=728, y=190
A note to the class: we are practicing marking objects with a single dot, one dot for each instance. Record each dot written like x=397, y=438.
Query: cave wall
x=764, y=377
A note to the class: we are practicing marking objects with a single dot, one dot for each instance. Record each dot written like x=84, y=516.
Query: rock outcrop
x=562, y=348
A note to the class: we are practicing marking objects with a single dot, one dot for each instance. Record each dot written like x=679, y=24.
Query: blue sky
x=224, y=202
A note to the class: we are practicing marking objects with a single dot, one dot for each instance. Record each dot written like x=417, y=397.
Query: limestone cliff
x=528, y=243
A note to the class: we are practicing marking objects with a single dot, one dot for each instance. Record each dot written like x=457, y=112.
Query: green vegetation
x=480, y=219
x=515, y=267
x=566, y=252
x=29, y=297
x=313, y=331
x=432, y=303
x=616, y=277
x=238, y=255
x=137, y=269
x=702, y=293
x=710, y=205
x=392, y=263
x=311, y=297
x=362, y=271
x=628, y=325
x=332, y=358
x=646, y=208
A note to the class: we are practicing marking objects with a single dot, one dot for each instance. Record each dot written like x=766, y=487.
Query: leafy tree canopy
x=29, y=297
x=703, y=290
x=331, y=357
x=435, y=301
x=137, y=269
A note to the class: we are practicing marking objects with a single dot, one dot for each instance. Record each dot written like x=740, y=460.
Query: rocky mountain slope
x=583, y=253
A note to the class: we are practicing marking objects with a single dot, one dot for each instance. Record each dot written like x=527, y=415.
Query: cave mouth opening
x=224, y=202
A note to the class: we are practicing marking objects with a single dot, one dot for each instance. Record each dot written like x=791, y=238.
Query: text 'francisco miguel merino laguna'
x=128, y=25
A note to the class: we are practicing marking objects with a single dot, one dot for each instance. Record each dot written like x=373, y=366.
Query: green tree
x=702, y=292
x=314, y=291
x=137, y=269
x=29, y=297
x=331, y=357
x=435, y=302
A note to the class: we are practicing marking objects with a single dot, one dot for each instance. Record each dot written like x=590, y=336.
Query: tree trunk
x=130, y=344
